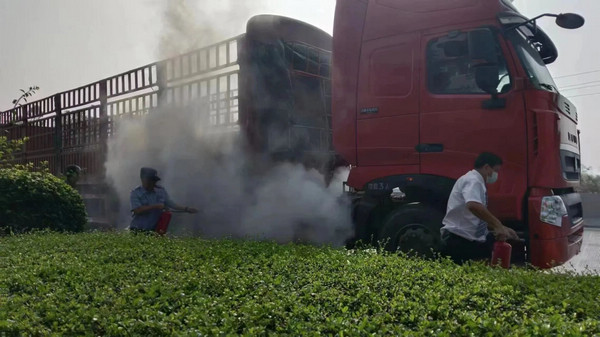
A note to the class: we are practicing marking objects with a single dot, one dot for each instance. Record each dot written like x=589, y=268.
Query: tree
x=10, y=146
x=23, y=97
x=590, y=182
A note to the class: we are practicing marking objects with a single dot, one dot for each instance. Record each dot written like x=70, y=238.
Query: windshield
x=532, y=61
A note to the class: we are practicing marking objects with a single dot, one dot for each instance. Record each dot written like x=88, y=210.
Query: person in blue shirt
x=149, y=200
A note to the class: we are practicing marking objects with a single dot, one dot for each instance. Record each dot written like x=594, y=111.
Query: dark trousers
x=462, y=250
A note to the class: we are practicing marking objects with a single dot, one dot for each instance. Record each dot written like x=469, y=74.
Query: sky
x=62, y=44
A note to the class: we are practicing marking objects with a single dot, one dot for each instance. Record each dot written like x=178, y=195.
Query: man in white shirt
x=467, y=225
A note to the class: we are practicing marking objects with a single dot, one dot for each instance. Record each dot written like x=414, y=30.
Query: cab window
x=451, y=71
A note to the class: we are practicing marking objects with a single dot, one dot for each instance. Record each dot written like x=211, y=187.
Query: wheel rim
x=415, y=238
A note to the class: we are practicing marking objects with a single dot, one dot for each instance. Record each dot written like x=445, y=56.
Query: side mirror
x=482, y=46
x=486, y=77
x=570, y=20
x=566, y=20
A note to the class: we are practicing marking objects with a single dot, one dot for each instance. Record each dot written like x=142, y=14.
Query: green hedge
x=119, y=284
x=33, y=200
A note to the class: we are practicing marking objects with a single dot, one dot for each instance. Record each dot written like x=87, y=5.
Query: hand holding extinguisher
x=163, y=222
x=501, y=253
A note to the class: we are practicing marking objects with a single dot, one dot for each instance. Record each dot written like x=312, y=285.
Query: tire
x=414, y=228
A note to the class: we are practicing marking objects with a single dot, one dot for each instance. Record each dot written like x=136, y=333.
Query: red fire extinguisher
x=501, y=254
x=163, y=223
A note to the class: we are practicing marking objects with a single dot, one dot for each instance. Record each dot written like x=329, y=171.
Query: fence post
x=58, y=133
x=103, y=127
x=161, y=82
x=20, y=132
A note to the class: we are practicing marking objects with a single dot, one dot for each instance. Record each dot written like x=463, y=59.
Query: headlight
x=553, y=209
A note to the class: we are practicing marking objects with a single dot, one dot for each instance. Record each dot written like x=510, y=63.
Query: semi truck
x=421, y=87
x=407, y=93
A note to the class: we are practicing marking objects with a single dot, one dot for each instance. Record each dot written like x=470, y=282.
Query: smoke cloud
x=239, y=193
x=189, y=25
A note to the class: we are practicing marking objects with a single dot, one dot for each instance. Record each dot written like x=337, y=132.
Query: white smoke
x=192, y=24
x=239, y=193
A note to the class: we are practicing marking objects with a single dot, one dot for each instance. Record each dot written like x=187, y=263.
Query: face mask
x=493, y=178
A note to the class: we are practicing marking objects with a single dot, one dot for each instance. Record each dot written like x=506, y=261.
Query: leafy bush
x=32, y=200
x=8, y=147
x=119, y=284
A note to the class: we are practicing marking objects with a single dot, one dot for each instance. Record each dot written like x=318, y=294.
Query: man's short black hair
x=487, y=158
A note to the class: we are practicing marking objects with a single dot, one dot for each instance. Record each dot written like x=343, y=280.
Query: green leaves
x=8, y=147
x=37, y=200
x=24, y=95
x=121, y=284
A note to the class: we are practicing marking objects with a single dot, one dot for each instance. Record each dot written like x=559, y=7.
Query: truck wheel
x=412, y=228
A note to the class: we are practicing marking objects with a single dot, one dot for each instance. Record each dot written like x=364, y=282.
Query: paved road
x=588, y=260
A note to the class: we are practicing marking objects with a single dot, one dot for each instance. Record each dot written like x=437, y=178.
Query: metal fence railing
x=72, y=127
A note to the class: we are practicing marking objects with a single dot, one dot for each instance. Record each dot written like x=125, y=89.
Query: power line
x=576, y=85
x=583, y=73
x=580, y=88
x=590, y=94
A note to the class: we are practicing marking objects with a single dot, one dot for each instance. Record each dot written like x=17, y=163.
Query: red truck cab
x=421, y=87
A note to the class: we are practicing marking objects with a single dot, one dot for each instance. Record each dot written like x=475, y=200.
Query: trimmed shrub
x=115, y=284
x=38, y=200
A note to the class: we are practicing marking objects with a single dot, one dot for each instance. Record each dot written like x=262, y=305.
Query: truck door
x=459, y=120
x=388, y=103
